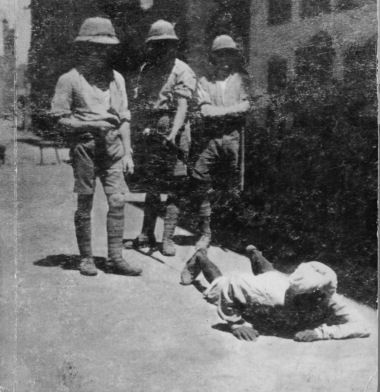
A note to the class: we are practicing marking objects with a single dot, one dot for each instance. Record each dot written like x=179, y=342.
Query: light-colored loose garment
x=231, y=294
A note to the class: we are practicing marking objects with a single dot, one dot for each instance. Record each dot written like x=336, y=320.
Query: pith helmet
x=97, y=30
x=223, y=42
x=312, y=276
x=161, y=30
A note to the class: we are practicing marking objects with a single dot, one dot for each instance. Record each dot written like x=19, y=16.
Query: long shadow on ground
x=71, y=262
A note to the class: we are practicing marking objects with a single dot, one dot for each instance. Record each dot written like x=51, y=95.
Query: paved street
x=116, y=334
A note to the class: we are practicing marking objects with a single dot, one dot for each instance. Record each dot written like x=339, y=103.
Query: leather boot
x=259, y=264
x=122, y=267
x=191, y=270
x=87, y=267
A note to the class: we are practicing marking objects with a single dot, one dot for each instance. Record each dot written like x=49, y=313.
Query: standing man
x=91, y=105
x=223, y=103
x=162, y=130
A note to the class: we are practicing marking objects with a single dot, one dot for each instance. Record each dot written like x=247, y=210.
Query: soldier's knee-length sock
x=209, y=269
x=82, y=221
x=170, y=223
x=115, y=229
x=171, y=218
x=201, y=198
x=205, y=217
x=152, y=205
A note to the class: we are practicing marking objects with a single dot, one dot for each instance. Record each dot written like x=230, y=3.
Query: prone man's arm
x=352, y=325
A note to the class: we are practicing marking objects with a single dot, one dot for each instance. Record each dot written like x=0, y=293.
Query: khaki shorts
x=219, y=158
x=86, y=171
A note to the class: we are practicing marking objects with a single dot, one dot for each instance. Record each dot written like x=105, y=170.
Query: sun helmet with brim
x=224, y=42
x=312, y=276
x=98, y=31
x=161, y=30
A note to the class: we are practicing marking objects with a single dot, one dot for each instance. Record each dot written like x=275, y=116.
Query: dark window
x=279, y=11
x=360, y=82
x=343, y=5
x=310, y=8
x=230, y=17
x=360, y=65
x=315, y=60
x=277, y=69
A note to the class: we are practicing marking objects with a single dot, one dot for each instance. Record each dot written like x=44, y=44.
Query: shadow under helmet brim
x=101, y=39
x=162, y=38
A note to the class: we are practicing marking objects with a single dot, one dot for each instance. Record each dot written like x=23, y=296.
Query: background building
x=290, y=38
x=7, y=69
x=281, y=39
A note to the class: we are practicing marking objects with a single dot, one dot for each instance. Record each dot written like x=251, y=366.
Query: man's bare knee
x=116, y=200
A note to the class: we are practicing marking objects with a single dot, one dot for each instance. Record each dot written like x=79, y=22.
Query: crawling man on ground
x=303, y=305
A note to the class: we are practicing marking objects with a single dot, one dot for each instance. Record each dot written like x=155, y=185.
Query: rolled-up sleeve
x=204, y=102
x=62, y=100
x=209, y=109
x=352, y=323
x=185, y=83
x=124, y=112
x=202, y=95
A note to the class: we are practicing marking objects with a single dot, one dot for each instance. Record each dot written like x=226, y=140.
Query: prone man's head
x=312, y=284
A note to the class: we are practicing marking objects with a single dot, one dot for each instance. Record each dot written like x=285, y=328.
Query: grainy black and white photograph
x=188, y=196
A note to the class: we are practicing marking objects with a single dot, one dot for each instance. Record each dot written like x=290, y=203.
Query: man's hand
x=306, y=336
x=245, y=332
x=102, y=127
x=146, y=131
x=171, y=138
x=128, y=165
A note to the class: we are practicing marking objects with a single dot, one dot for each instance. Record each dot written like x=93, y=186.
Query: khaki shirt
x=158, y=88
x=75, y=96
x=217, y=98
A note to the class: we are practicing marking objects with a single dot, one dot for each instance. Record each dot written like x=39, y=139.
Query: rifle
x=176, y=149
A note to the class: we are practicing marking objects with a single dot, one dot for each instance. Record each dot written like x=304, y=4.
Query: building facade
x=280, y=38
x=7, y=70
x=285, y=32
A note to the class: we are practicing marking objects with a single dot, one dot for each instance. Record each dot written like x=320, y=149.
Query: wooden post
x=57, y=155
x=242, y=159
x=41, y=155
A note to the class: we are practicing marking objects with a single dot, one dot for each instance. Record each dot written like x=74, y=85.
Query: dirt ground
x=64, y=332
